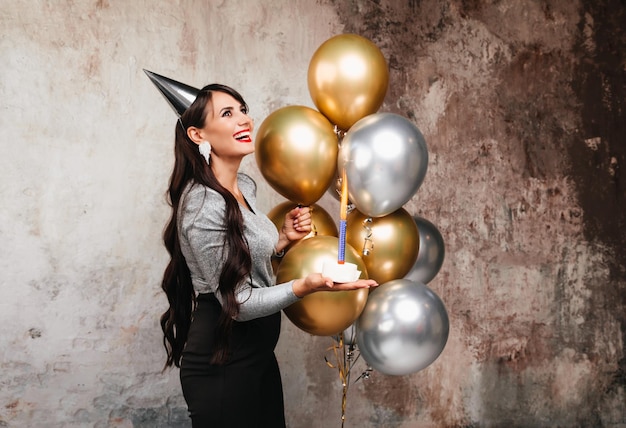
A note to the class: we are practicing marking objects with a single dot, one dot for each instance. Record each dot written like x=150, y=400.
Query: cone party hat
x=178, y=95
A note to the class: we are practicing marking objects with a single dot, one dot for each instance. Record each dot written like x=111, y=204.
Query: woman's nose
x=246, y=120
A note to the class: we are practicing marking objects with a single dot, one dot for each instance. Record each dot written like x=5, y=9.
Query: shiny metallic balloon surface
x=324, y=313
x=431, y=252
x=403, y=328
x=349, y=335
x=394, y=243
x=296, y=151
x=385, y=158
x=347, y=79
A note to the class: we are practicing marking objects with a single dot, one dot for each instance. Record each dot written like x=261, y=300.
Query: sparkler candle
x=343, y=214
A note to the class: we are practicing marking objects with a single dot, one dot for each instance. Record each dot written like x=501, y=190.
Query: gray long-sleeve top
x=201, y=231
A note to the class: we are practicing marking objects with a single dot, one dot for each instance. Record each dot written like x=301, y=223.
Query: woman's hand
x=316, y=282
x=296, y=226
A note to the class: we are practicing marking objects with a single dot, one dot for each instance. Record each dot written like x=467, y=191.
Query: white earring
x=205, y=150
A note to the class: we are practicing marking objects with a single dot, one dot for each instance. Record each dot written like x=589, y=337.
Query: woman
x=224, y=317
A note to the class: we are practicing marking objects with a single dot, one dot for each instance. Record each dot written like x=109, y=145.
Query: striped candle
x=343, y=214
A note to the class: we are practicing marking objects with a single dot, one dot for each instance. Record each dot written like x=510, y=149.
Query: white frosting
x=345, y=272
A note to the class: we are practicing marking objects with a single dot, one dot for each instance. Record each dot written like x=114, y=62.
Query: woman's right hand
x=316, y=282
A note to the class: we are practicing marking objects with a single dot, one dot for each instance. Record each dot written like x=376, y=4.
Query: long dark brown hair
x=191, y=167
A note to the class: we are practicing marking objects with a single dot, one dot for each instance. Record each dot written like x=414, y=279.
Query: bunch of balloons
x=402, y=326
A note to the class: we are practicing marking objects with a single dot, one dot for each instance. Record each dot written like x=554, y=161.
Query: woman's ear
x=194, y=135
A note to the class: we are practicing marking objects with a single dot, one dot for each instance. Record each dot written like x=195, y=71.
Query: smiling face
x=227, y=127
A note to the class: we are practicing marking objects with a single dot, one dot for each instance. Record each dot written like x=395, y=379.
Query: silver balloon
x=349, y=336
x=403, y=328
x=385, y=158
x=430, y=254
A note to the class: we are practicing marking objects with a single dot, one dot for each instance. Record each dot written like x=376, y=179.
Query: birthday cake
x=346, y=272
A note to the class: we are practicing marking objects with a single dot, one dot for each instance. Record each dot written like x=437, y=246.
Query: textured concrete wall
x=522, y=104
x=522, y=107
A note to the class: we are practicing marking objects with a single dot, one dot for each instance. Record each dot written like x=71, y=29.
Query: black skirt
x=246, y=391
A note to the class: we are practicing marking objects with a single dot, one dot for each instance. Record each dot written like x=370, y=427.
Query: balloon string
x=365, y=375
x=344, y=363
x=340, y=134
x=368, y=243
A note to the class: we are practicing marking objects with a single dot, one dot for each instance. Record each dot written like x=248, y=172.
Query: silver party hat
x=178, y=95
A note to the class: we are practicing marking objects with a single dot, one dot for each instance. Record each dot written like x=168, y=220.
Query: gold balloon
x=296, y=151
x=348, y=79
x=323, y=313
x=322, y=223
x=392, y=241
x=335, y=186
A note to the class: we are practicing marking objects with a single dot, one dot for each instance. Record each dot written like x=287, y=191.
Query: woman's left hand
x=296, y=226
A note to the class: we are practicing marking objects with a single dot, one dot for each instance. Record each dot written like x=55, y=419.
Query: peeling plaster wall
x=522, y=107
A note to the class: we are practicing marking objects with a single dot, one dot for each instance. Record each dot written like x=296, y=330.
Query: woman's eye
x=227, y=113
x=244, y=110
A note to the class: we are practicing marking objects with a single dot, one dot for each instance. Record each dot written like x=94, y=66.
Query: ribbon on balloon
x=346, y=353
x=344, y=357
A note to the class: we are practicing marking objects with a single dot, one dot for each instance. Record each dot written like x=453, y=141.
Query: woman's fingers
x=318, y=282
x=346, y=286
x=363, y=283
x=302, y=218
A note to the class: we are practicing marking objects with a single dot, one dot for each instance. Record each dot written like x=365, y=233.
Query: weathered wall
x=522, y=107
x=522, y=104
